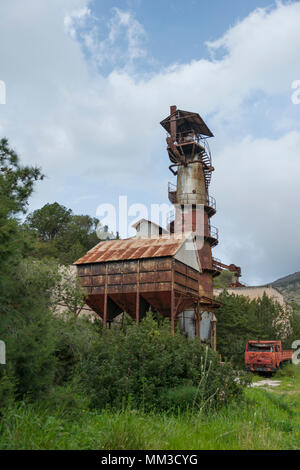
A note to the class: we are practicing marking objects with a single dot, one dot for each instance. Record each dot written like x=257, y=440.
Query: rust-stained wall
x=255, y=292
x=122, y=281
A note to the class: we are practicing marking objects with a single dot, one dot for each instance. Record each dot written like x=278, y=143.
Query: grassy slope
x=264, y=420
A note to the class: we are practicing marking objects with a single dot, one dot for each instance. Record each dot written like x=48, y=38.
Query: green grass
x=262, y=420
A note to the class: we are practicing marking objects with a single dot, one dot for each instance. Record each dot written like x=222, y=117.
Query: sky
x=87, y=83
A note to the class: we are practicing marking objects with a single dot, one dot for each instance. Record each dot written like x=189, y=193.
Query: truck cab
x=265, y=356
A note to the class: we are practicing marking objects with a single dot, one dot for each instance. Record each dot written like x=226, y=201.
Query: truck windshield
x=260, y=347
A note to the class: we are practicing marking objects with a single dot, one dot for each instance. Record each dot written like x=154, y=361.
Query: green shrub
x=68, y=400
x=27, y=328
x=286, y=370
x=141, y=364
x=179, y=398
x=7, y=388
x=74, y=338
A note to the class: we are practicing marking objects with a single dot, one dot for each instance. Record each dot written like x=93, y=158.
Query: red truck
x=265, y=356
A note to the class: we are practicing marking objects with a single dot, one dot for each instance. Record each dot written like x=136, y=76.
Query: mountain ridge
x=289, y=286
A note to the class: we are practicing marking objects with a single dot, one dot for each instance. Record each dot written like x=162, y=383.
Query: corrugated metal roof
x=133, y=248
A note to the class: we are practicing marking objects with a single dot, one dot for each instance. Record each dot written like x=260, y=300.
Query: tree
x=224, y=280
x=17, y=181
x=78, y=237
x=49, y=222
x=68, y=292
x=61, y=234
x=25, y=324
x=16, y=185
x=241, y=319
x=27, y=328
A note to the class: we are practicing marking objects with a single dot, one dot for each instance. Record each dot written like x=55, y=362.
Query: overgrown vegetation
x=264, y=419
x=70, y=384
x=241, y=319
x=60, y=234
x=149, y=367
x=144, y=365
x=224, y=280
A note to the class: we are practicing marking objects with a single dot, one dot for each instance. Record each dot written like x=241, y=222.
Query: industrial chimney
x=190, y=158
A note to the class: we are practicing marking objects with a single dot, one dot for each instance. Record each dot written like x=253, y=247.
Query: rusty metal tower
x=190, y=158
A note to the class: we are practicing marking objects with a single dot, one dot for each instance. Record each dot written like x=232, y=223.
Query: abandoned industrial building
x=156, y=269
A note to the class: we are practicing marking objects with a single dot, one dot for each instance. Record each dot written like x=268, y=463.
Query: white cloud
x=75, y=19
x=96, y=133
x=258, y=204
x=124, y=40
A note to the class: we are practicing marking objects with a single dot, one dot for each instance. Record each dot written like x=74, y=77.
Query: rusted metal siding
x=151, y=275
x=133, y=248
x=191, y=183
x=156, y=282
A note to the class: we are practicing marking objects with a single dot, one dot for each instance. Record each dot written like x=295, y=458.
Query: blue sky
x=176, y=30
x=89, y=81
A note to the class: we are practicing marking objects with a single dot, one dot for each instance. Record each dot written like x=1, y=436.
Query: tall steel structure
x=171, y=273
x=190, y=158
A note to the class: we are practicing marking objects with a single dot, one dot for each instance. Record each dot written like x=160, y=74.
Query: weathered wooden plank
x=97, y=290
x=97, y=268
x=159, y=276
x=86, y=281
x=97, y=280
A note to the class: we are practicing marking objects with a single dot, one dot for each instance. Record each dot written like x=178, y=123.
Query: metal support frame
x=198, y=321
x=214, y=335
x=105, y=297
x=137, y=306
x=173, y=298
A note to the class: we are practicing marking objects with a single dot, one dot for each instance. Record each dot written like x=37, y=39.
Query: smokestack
x=173, y=123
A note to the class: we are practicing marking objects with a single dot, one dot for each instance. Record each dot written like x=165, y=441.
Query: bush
x=286, y=370
x=7, y=389
x=146, y=364
x=180, y=398
x=74, y=339
x=67, y=400
x=28, y=330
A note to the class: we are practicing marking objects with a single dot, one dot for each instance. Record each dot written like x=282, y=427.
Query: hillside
x=289, y=286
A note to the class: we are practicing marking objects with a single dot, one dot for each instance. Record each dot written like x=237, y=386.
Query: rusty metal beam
x=105, y=298
x=214, y=335
x=173, y=298
x=198, y=320
x=137, y=309
x=173, y=123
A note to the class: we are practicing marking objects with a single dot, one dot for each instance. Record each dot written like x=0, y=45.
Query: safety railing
x=172, y=193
